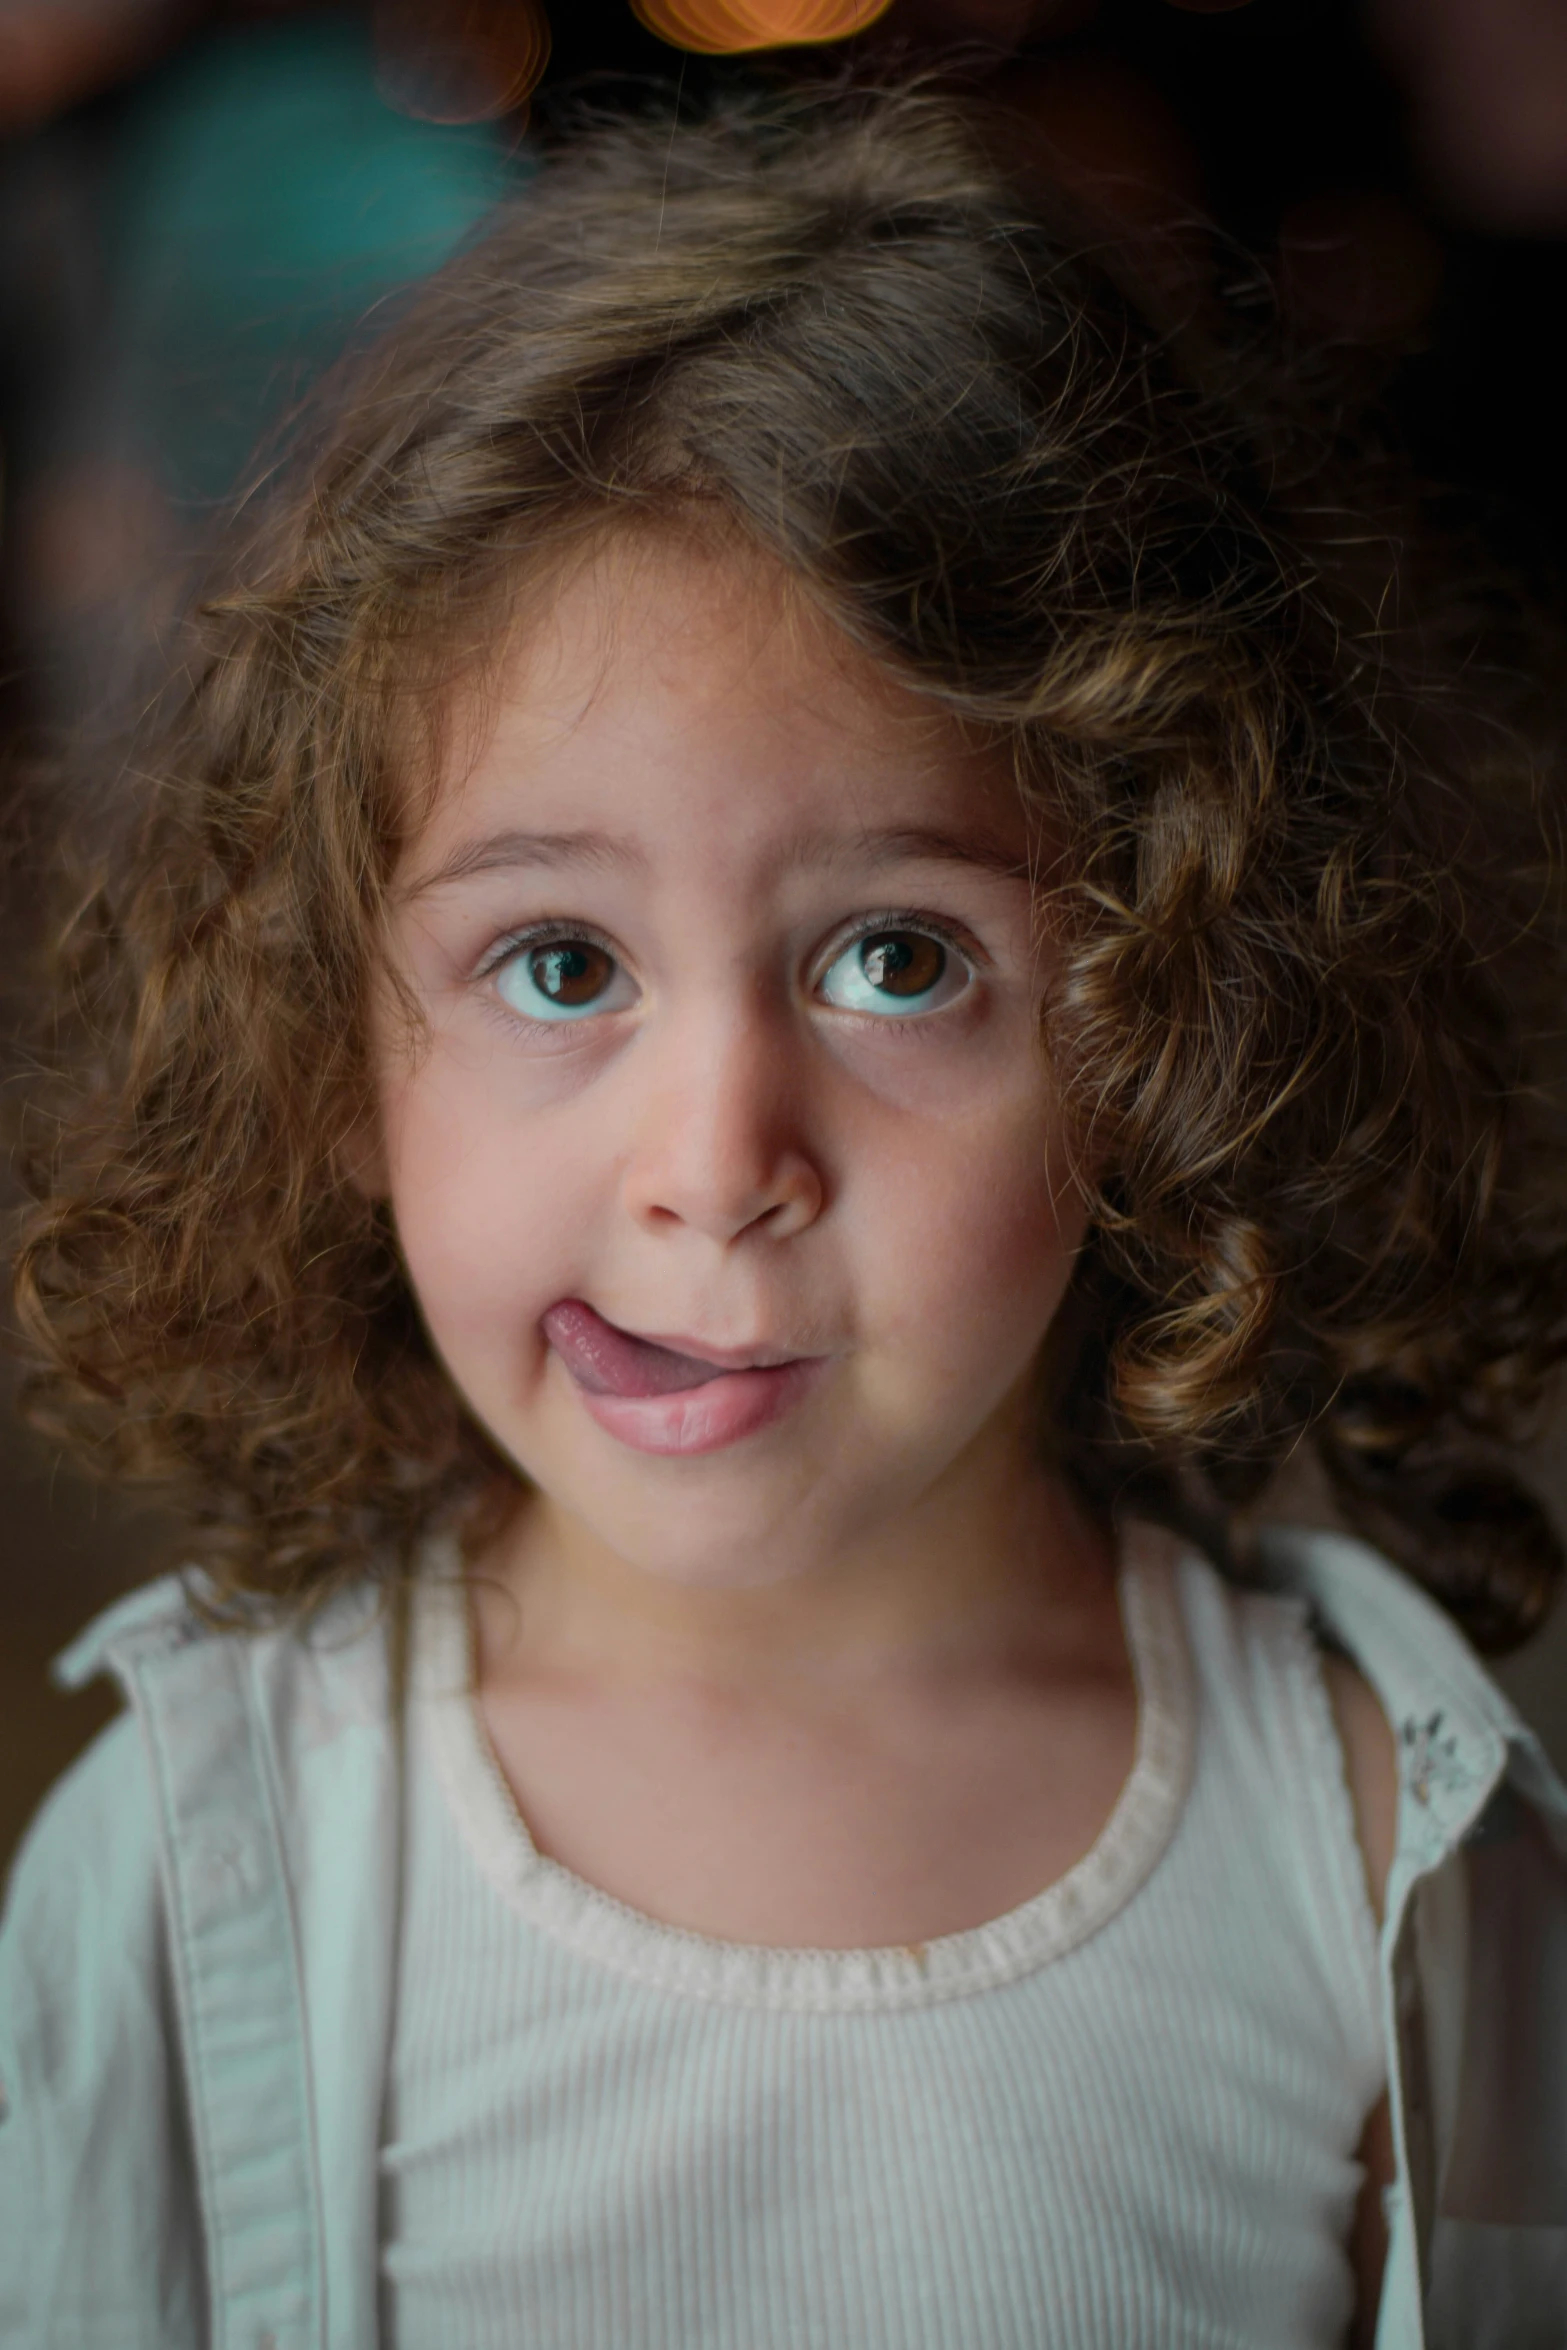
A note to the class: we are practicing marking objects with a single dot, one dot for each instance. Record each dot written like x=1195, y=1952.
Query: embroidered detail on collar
x=1432, y=1762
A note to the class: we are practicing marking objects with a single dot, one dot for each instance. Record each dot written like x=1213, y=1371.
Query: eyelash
x=905, y=918
x=550, y=933
x=542, y=934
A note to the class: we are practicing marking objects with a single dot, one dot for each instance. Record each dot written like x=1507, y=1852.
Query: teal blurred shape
x=263, y=198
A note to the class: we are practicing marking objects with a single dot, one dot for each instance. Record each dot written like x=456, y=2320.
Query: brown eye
x=895, y=971
x=571, y=974
x=562, y=979
x=902, y=962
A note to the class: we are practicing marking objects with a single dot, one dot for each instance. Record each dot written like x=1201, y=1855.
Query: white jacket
x=195, y=1988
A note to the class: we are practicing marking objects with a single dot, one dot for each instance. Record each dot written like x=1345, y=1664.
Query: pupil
x=568, y=974
x=901, y=962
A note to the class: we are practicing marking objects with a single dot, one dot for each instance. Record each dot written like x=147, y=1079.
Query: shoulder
x=222, y=1660
x=1264, y=1667
x=82, y=1955
x=197, y=1689
x=1370, y=1768
x=1412, y=1654
x=82, y=1928
x=152, y=1620
x=86, y=2042
x=93, y=1847
x=1407, y=1700
x=1390, y=1650
x=248, y=1772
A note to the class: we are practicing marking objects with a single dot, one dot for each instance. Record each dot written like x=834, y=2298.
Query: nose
x=721, y=1145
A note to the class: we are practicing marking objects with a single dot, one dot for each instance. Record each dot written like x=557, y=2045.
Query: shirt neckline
x=598, y=1927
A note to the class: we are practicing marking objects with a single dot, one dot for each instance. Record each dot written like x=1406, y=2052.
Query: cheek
x=980, y=1240
x=476, y=1208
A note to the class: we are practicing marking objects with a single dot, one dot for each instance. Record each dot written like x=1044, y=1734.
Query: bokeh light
x=469, y=61
x=726, y=28
x=55, y=52
x=1489, y=84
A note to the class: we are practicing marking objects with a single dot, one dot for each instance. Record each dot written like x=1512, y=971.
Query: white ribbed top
x=1120, y=2116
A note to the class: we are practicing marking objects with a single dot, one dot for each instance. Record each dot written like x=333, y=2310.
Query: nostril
x=720, y=1161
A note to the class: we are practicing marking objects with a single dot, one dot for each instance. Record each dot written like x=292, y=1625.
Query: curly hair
x=1311, y=926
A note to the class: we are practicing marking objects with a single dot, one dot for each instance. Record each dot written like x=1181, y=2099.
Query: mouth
x=673, y=1396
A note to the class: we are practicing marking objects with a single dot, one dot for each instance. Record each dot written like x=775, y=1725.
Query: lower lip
x=706, y=1418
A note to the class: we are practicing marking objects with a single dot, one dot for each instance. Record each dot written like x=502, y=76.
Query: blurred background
x=200, y=202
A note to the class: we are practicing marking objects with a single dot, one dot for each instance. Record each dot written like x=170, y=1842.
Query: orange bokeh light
x=466, y=62
x=724, y=28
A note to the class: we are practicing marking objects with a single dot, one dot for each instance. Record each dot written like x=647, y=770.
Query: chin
x=736, y=1562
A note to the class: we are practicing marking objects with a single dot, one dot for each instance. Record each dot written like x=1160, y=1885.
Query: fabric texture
x=198, y=1989
x=1125, y=2114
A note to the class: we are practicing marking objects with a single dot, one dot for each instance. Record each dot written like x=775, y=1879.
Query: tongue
x=607, y=1361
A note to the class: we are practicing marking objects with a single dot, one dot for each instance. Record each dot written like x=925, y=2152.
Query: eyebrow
x=499, y=852
x=898, y=844
x=880, y=845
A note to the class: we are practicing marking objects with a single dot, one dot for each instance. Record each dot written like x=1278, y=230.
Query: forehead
x=683, y=697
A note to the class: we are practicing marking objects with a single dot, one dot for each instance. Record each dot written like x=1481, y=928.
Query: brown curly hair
x=1313, y=934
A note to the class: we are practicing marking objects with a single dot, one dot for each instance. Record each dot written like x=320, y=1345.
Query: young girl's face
x=727, y=1168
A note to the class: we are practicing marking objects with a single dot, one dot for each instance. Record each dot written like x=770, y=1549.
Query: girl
x=790, y=996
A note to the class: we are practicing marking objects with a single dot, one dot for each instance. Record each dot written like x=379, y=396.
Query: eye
x=562, y=979
x=895, y=971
